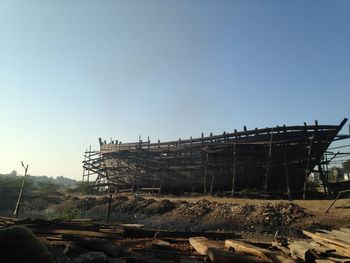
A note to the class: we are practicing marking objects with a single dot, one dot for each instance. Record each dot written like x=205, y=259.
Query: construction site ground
x=152, y=228
x=260, y=218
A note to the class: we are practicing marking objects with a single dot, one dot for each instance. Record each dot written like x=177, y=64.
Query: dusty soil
x=200, y=213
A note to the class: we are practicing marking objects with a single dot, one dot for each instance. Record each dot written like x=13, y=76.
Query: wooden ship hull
x=277, y=159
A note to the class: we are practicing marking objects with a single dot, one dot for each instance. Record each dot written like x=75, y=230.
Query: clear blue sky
x=73, y=71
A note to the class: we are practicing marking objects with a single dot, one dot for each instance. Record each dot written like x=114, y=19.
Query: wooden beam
x=286, y=174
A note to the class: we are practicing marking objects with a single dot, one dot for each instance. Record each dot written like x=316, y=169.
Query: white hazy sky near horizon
x=74, y=71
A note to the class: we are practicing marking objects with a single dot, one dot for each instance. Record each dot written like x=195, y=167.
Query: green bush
x=85, y=188
x=67, y=214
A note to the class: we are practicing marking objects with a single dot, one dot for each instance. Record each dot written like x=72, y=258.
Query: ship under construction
x=269, y=160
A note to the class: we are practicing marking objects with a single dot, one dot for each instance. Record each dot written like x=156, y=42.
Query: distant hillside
x=37, y=180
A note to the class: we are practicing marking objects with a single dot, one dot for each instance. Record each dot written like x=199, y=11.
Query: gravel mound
x=202, y=215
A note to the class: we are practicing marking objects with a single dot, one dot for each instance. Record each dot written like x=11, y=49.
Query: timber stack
x=84, y=240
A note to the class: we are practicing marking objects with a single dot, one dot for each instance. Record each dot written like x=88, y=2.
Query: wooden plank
x=264, y=254
x=224, y=256
x=320, y=249
x=97, y=244
x=338, y=249
x=214, y=250
x=201, y=244
x=326, y=238
x=76, y=232
x=341, y=232
x=301, y=251
x=142, y=232
x=340, y=235
x=342, y=241
x=338, y=258
x=347, y=230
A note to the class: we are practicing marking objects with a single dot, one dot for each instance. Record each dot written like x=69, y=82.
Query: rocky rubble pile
x=265, y=214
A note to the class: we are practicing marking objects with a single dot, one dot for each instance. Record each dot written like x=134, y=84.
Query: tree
x=14, y=173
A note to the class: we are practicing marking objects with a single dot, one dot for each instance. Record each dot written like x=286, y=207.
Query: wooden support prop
x=213, y=177
x=286, y=174
x=268, y=162
x=234, y=169
x=109, y=208
x=323, y=179
x=15, y=213
x=307, y=170
x=338, y=196
x=205, y=173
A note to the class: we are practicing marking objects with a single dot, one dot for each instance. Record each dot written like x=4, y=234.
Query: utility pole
x=15, y=213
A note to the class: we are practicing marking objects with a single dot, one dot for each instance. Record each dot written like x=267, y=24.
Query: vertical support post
x=133, y=183
x=179, y=181
x=268, y=162
x=88, y=175
x=191, y=172
x=205, y=173
x=307, y=170
x=109, y=208
x=84, y=163
x=323, y=179
x=155, y=174
x=15, y=213
x=161, y=183
x=286, y=174
x=213, y=177
x=234, y=169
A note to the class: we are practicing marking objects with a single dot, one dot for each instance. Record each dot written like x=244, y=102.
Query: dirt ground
x=249, y=217
x=208, y=213
x=314, y=218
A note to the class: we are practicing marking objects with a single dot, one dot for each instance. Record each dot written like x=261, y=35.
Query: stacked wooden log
x=325, y=246
x=82, y=238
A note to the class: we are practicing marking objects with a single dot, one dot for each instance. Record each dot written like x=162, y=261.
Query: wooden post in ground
x=268, y=163
x=155, y=174
x=205, y=172
x=15, y=213
x=109, y=208
x=234, y=169
x=213, y=177
x=287, y=174
x=307, y=170
x=161, y=182
x=323, y=179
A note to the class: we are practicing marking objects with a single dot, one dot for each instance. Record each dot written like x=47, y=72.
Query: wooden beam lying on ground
x=264, y=254
x=76, y=232
x=140, y=232
x=215, y=251
x=97, y=244
x=328, y=241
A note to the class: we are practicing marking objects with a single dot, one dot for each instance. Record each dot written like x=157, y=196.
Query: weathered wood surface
x=264, y=254
x=302, y=251
x=141, y=232
x=329, y=241
x=215, y=251
x=97, y=244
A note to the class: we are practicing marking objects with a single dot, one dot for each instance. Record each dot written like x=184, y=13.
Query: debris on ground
x=85, y=240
